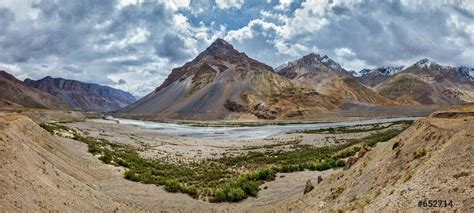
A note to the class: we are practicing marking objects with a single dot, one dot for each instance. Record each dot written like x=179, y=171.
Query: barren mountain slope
x=428, y=83
x=37, y=169
x=329, y=78
x=83, y=96
x=14, y=93
x=433, y=159
x=221, y=83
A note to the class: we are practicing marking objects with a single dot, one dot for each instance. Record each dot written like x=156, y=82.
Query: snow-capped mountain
x=382, y=71
x=310, y=60
x=467, y=72
x=429, y=64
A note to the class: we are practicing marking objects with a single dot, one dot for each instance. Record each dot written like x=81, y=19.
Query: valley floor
x=45, y=172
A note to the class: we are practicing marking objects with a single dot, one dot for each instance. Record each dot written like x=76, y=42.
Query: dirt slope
x=395, y=177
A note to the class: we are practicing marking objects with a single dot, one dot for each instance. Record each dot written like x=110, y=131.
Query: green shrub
x=340, y=163
x=172, y=186
x=249, y=187
x=106, y=158
x=236, y=194
x=323, y=166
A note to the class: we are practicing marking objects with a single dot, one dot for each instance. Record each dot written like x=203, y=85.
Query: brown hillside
x=14, y=93
x=430, y=160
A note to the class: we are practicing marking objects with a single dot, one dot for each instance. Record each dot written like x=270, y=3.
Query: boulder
x=320, y=179
x=351, y=161
x=309, y=186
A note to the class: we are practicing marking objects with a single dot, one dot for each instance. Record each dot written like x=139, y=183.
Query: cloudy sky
x=134, y=44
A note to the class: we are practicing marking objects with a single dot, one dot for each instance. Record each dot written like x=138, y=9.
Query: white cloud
x=283, y=4
x=227, y=4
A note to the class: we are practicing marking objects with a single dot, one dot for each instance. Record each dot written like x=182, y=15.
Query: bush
x=229, y=193
x=323, y=166
x=236, y=194
x=340, y=163
x=172, y=186
x=249, y=187
x=266, y=174
x=106, y=158
x=94, y=149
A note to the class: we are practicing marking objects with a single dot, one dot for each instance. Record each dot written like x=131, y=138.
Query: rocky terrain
x=83, y=96
x=15, y=94
x=224, y=83
x=432, y=160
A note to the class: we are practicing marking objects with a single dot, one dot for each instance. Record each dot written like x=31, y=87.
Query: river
x=243, y=133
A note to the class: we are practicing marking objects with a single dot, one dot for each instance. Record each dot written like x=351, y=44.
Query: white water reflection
x=242, y=133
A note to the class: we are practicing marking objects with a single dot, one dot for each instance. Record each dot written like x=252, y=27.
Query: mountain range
x=14, y=93
x=83, y=96
x=57, y=93
x=423, y=83
x=223, y=83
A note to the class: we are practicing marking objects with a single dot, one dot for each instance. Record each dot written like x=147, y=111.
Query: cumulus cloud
x=134, y=44
x=377, y=33
x=226, y=4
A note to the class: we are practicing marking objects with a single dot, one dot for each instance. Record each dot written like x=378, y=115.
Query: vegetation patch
x=355, y=129
x=227, y=179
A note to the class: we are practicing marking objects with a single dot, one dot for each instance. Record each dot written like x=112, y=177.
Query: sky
x=134, y=44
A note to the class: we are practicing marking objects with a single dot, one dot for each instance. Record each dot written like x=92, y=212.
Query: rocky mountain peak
x=427, y=64
x=219, y=48
x=382, y=71
x=313, y=59
x=221, y=43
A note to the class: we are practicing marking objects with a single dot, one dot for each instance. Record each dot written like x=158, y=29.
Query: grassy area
x=223, y=179
x=354, y=129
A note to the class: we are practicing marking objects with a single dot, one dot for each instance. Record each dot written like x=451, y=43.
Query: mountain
x=372, y=77
x=329, y=78
x=83, y=96
x=428, y=83
x=14, y=93
x=224, y=83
